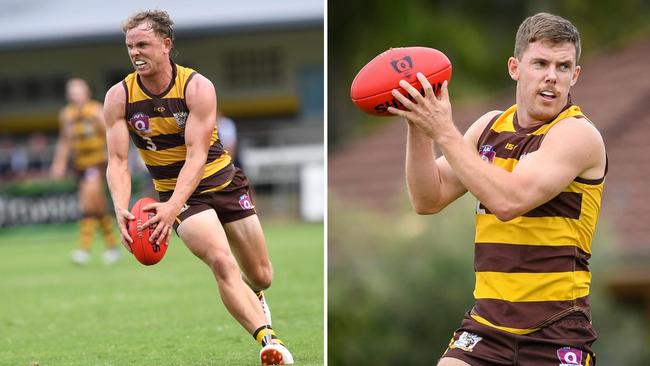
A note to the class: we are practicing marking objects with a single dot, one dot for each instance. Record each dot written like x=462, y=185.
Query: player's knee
x=262, y=277
x=223, y=265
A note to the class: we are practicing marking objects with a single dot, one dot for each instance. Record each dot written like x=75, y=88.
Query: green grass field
x=55, y=313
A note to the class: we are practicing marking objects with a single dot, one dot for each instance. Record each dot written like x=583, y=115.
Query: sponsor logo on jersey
x=181, y=118
x=487, y=153
x=467, y=341
x=245, y=202
x=140, y=122
x=569, y=356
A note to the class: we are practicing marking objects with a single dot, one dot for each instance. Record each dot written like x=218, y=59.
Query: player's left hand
x=431, y=114
x=162, y=222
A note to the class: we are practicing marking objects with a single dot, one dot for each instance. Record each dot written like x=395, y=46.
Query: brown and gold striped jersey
x=533, y=269
x=157, y=124
x=86, y=134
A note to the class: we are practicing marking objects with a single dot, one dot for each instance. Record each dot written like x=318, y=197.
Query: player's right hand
x=123, y=216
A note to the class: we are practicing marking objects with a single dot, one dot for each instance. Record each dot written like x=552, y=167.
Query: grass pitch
x=55, y=313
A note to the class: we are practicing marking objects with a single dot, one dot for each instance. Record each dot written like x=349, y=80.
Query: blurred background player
x=82, y=133
x=227, y=131
x=170, y=113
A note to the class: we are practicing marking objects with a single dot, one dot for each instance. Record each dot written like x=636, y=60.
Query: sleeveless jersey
x=156, y=125
x=87, y=138
x=533, y=269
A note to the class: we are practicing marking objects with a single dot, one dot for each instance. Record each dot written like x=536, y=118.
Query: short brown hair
x=548, y=27
x=160, y=22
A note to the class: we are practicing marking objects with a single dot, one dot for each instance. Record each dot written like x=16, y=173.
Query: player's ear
x=167, y=42
x=513, y=68
x=574, y=77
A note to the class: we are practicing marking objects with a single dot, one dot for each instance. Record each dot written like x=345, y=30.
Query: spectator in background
x=227, y=131
x=38, y=154
x=82, y=132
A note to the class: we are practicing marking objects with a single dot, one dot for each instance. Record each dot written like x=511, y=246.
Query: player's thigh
x=204, y=236
x=247, y=242
x=448, y=361
x=91, y=190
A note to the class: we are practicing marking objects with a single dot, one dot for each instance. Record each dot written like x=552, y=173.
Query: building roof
x=613, y=91
x=42, y=22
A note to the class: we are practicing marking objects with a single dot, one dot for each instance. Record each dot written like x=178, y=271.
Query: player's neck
x=159, y=81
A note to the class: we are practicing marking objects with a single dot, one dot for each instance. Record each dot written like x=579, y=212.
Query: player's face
x=77, y=92
x=544, y=75
x=147, y=50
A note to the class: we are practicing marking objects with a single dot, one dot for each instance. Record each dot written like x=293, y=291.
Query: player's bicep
x=569, y=150
x=117, y=133
x=201, y=101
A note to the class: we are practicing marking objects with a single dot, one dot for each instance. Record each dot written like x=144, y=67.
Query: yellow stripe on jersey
x=484, y=321
x=162, y=185
x=163, y=157
x=548, y=231
x=169, y=156
x=505, y=123
x=163, y=126
x=515, y=287
x=218, y=188
x=507, y=164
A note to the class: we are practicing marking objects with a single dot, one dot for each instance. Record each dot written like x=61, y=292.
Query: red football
x=145, y=252
x=371, y=88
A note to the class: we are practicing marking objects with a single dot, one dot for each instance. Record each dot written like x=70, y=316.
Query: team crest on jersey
x=487, y=153
x=140, y=122
x=181, y=118
x=245, y=202
x=467, y=341
x=569, y=356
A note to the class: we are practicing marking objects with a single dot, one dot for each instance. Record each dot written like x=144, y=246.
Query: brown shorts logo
x=245, y=202
x=569, y=356
x=466, y=342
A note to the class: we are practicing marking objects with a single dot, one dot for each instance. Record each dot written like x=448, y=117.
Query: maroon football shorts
x=231, y=203
x=566, y=342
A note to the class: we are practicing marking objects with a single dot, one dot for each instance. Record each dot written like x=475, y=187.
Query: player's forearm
x=118, y=177
x=422, y=175
x=188, y=178
x=495, y=187
x=60, y=159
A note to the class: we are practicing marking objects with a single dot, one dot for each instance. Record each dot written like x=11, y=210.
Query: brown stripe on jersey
x=172, y=170
x=166, y=171
x=158, y=107
x=565, y=204
x=518, y=143
x=517, y=258
x=187, y=82
x=530, y=314
x=126, y=101
x=488, y=128
x=217, y=179
x=162, y=142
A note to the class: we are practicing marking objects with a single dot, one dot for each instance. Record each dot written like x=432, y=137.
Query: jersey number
x=150, y=145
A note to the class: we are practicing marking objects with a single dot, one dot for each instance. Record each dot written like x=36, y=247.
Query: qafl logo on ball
x=403, y=65
x=140, y=122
